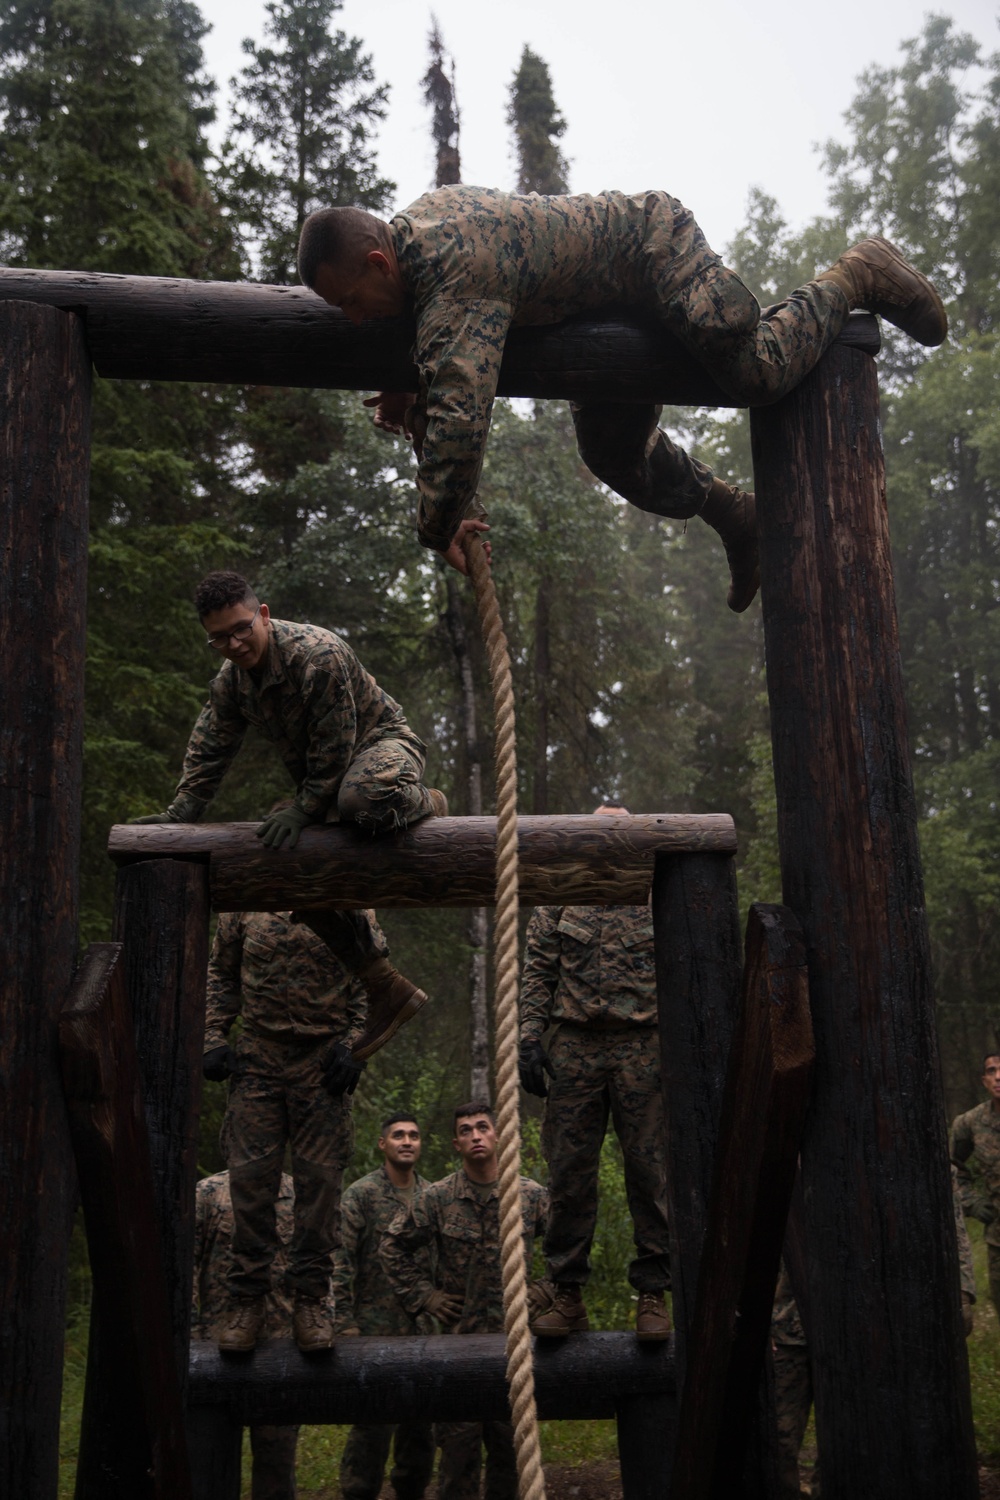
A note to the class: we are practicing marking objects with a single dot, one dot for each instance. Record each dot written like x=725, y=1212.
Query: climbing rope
x=520, y=1372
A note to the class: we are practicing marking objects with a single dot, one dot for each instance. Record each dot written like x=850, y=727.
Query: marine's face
x=371, y=290
x=401, y=1144
x=475, y=1138
x=991, y=1078
x=227, y=630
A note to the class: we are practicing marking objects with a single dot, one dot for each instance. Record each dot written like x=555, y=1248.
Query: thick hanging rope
x=520, y=1372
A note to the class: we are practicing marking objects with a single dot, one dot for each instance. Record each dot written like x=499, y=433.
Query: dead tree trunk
x=45, y=414
x=892, y=1385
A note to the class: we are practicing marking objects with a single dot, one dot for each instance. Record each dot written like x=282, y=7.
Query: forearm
x=210, y=752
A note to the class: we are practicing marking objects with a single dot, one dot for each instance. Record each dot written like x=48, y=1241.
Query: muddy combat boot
x=242, y=1325
x=733, y=514
x=556, y=1309
x=312, y=1324
x=652, y=1320
x=874, y=275
x=392, y=1001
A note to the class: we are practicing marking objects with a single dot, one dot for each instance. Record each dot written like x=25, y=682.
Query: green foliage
x=537, y=126
x=438, y=84
x=306, y=104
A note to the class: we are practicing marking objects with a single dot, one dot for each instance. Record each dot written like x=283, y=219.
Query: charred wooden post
x=439, y=862
x=161, y=919
x=144, y=1451
x=156, y=328
x=767, y=1090
x=892, y=1385
x=44, y=420
x=215, y=1445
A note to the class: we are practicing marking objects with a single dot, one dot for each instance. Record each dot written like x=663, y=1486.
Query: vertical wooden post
x=44, y=466
x=161, y=917
x=892, y=1387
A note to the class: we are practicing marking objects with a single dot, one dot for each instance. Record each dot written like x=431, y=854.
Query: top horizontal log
x=439, y=862
x=160, y=328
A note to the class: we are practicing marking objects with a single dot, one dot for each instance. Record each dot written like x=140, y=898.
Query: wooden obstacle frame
x=873, y=1209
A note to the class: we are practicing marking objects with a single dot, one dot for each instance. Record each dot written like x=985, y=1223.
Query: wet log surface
x=45, y=382
x=447, y=1378
x=890, y=1367
x=142, y=1447
x=157, y=328
x=439, y=862
x=767, y=1091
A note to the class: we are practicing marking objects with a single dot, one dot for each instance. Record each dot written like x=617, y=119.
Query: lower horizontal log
x=439, y=862
x=442, y=1379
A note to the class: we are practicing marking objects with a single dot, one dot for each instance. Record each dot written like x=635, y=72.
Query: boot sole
x=892, y=312
x=652, y=1338
x=581, y=1326
x=230, y=1348
x=416, y=1002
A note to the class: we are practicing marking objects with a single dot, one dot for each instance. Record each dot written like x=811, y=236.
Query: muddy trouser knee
x=363, y=1463
x=412, y=1459
x=461, y=1445
x=620, y=443
x=273, y=1474
x=382, y=788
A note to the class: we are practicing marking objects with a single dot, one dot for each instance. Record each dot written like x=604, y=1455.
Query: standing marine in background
x=589, y=972
x=367, y=1304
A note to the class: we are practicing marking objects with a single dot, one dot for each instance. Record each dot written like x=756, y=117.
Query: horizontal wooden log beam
x=439, y=862
x=158, y=328
x=447, y=1378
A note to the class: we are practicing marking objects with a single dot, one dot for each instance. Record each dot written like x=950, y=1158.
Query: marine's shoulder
x=297, y=641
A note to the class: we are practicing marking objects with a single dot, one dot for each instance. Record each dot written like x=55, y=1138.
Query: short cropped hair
x=333, y=236
x=222, y=591
x=994, y=1053
x=398, y=1117
x=475, y=1108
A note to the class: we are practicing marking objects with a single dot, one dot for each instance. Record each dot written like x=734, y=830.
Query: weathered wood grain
x=161, y=919
x=44, y=466
x=767, y=1091
x=439, y=862
x=157, y=328
x=142, y=1448
x=892, y=1386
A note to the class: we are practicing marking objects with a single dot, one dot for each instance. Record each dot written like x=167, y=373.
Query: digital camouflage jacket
x=589, y=965
x=364, y=1298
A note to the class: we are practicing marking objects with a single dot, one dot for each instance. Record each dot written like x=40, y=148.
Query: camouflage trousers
x=613, y=438
x=793, y=1397
x=278, y=1099
x=601, y=1072
x=273, y=1471
x=382, y=790
x=461, y=1445
x=367, y=1449
x=993, y=1272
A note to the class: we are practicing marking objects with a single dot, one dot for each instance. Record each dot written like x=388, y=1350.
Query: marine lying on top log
x=470, y=263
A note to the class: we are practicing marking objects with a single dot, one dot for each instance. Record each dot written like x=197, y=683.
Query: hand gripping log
x=520, y=1371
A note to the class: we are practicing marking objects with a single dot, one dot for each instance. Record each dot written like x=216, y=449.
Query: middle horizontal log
x=444, y=1378
x=439, y=862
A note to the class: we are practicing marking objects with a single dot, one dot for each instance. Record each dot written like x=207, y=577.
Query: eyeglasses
x=238, y=633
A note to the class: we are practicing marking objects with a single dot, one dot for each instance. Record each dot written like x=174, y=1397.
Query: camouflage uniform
x=296, y=999
x=589, y=970
x=975, y=1140
x=458, y=1221
x=366, y=1302
x=273, y=1448
x=477, y=261
x=344, y=741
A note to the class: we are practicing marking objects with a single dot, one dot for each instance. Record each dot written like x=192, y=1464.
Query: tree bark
x=438, y=862
x=155, y=328
x=44, y=419
x=892, y=1384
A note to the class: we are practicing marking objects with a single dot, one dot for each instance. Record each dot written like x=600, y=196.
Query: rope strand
x=520, y=1370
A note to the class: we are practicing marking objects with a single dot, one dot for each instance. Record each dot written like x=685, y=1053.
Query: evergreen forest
x=633, y=681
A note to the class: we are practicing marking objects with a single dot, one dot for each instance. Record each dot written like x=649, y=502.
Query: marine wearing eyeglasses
x=345, y=742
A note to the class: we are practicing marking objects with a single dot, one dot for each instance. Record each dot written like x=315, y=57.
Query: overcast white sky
x=703, y=100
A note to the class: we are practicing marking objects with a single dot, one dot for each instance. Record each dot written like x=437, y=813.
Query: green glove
x=288, y=823
x=161, y=817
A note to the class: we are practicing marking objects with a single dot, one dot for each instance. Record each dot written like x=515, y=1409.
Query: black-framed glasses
x=238, y=633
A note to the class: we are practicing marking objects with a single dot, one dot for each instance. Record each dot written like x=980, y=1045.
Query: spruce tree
x=440, y=97
x=305, y=111
x=537, y=126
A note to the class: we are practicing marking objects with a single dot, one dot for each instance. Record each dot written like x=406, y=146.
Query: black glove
x=341, y=1070
x=532, y=1065
x=219, y=1063
x=286, y=823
